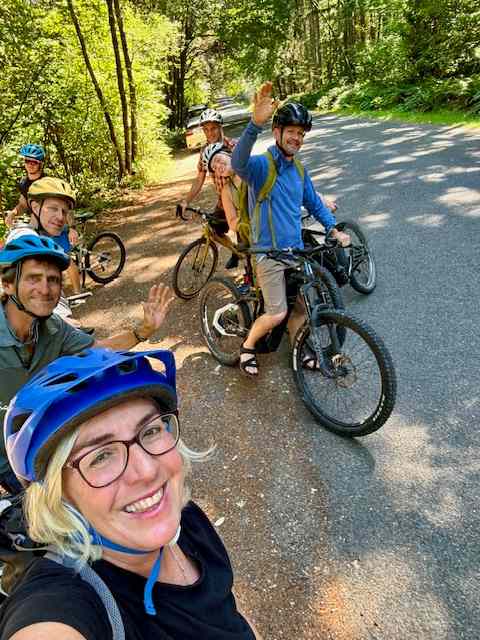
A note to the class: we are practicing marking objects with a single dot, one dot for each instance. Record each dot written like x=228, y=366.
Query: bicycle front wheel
x=353, y=392
x=225, y=320
x=105, y=257
x=195, y=266
x=363, y=274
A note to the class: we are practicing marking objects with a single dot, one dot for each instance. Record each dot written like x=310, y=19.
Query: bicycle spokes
x=352, y=390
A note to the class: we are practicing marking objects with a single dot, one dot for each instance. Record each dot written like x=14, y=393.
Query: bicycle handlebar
x=179, y=212
x=286, y=254
x=209, y=217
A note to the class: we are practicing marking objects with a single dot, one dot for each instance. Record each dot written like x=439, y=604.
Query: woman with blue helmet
x=96, y=438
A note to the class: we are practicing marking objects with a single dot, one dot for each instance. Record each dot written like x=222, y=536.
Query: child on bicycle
x=211, y=122
x=217, y=160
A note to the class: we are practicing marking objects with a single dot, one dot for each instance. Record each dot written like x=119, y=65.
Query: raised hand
x=155, y=309
x=263, y=104
x=10, y=217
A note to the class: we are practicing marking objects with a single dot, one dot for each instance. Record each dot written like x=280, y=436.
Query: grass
x=439, y=117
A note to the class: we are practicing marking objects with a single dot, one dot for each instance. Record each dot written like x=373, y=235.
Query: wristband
x=138, y=337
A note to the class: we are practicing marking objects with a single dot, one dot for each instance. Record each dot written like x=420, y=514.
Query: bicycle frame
x=302, y=276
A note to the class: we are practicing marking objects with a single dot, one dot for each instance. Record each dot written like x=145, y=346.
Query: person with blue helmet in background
x=96, y=439
x=33, y=157
x=32, y=335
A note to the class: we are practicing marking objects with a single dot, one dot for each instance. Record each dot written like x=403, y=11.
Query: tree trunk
x=98, y=90
x=121, y=86
x=131, y=82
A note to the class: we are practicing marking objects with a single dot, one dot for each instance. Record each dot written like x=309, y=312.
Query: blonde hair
x=52, y=520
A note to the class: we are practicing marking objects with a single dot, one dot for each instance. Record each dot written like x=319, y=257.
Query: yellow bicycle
x=198, y=261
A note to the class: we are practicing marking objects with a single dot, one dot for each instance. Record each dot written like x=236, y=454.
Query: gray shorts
x=271, y=279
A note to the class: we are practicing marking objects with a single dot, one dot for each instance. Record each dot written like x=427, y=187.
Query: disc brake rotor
x=225, y=320
x=344, y=371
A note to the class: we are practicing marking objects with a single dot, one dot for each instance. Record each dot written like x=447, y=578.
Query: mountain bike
x=100, y=255
x=352, y=392
x=354, y=264
x=198, y=261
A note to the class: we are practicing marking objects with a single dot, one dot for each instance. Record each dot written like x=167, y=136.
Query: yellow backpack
x=244, y=227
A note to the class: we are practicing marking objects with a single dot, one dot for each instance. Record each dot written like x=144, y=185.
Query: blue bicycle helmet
x=72, y=389
x=33, y=151
x=33, y=246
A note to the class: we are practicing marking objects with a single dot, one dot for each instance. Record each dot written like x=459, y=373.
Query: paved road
x=403, y=517
x=335, y=539
x=402, y=521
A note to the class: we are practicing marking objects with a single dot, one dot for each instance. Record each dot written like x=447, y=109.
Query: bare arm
x=195, y=189
x=229, y=207
x=154, y=312
x=20, y=207
x=47, y=631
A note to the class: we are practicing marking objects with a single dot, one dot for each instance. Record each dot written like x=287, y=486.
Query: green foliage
x=310, y=99
x=430, y=95
x=47, y=96
x=175, y=138
x=254, y=34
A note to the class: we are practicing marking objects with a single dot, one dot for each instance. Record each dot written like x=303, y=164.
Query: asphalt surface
x=374, y=538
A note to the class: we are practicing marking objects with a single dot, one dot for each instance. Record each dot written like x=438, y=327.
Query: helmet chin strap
x=15, y=298
x=285, y=153
x=152, y=578
x=40, y=227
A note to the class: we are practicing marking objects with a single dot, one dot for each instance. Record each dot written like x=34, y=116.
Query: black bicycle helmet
x=292, y=114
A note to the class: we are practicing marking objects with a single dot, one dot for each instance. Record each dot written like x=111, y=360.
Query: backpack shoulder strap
x=103, y=592
x=267, y=186
x=300, y=168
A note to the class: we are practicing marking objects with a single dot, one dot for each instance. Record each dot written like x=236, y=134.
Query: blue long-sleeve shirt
x=286, y=198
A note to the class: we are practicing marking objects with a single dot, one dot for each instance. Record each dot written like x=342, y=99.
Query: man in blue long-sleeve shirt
x=278, y=223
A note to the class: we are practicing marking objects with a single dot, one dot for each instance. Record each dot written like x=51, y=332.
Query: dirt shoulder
x=261, y=487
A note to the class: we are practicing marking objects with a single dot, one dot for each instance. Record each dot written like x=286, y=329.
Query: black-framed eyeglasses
x=105, y=464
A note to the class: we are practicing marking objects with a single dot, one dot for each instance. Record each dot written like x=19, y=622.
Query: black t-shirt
x=205, y=610
x=25, y=183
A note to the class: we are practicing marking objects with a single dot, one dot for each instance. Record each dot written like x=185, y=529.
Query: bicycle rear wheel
x=195, y=266
x=105, y=257
x=225, y=320
x=363, y=275
x=354, y=393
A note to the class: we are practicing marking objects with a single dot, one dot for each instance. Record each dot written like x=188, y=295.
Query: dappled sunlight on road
x=353, y=605
x=401, y=139
x=141, y=270
x=382, y=175
x=374, y=220
x=427, y=220
x=462, y=196
x=398, y=159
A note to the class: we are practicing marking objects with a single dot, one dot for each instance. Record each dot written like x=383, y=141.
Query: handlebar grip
x=179, y=213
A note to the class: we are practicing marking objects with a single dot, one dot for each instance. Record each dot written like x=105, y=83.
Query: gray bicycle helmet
x=210, y=115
